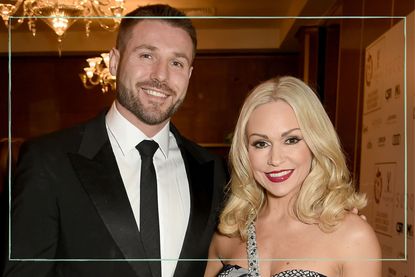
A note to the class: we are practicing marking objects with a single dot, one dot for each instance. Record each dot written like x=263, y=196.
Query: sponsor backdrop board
x=388, y=145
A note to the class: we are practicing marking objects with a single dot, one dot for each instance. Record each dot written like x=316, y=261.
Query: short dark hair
x=159, y=10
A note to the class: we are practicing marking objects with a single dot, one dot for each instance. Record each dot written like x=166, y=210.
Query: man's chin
x=153, y=118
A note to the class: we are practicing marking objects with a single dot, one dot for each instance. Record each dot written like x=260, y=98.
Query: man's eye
x=146, y=56
x=292, y=140
x=260, y=144
x=178, y=64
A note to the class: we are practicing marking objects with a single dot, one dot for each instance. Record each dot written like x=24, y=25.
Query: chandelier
x=98, y=74
x=61, y=14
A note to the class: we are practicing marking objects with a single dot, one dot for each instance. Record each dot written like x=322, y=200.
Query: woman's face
x=279, y=157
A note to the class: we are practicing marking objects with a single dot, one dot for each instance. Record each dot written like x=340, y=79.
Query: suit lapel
x=200, y=177
x=97, y=169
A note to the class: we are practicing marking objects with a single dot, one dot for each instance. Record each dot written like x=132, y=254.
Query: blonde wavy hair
x=327, y=192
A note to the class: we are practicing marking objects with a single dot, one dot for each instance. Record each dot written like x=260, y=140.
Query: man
x=77, y=192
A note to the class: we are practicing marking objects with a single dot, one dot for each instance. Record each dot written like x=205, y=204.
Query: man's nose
x=160, y=71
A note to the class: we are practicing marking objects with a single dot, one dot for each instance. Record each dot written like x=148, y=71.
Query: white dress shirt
x=172, y=184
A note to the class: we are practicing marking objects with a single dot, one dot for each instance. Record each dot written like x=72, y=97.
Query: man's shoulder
x=67, y=137
x=198, y=150
x=193, y=148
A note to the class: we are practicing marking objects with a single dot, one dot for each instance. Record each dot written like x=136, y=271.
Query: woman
x=290, y=190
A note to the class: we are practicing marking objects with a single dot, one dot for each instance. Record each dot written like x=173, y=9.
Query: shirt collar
x=128, y=136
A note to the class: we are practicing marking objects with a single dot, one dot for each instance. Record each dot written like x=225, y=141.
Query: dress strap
x=252, y=252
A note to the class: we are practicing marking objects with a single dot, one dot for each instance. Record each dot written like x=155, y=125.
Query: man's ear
x=114, y=61
x=190, y=71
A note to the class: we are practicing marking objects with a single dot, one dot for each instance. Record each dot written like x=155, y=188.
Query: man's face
x=153, y=71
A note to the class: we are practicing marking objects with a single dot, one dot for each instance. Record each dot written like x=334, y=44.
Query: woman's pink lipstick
x=279, y=176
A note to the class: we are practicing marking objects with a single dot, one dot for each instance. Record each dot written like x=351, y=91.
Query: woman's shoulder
x=227, y=247
x=223, y=243
x=354, y=227
x=356, y=237
x=358, y=248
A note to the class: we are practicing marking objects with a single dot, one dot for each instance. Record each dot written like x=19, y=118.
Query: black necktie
x=149, y=216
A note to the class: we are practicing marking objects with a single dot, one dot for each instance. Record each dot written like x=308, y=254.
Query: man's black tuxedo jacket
x=69, y=202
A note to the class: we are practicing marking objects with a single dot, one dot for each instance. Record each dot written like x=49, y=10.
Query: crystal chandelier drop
x=98, y=74
x=61, y=14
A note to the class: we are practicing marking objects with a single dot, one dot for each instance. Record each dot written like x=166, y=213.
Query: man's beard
x=152, y=115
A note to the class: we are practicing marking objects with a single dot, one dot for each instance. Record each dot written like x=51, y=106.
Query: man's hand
x=356, y=211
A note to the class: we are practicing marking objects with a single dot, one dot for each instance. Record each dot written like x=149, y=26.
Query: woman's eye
x=292, y=140
x=260, y=144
